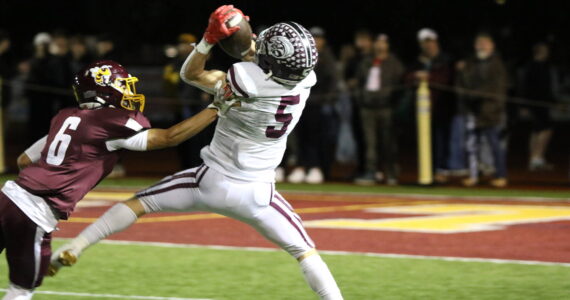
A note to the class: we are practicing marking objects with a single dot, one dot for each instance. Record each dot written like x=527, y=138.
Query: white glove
x=224, y=99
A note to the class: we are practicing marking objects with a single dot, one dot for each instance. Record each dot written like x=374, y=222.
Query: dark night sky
x=516, y=24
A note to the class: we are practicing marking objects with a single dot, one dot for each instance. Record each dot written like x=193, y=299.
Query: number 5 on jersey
x=59, y=145
x=281, y=116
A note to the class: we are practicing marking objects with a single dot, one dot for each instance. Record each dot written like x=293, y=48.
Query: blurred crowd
x=365, y=95
x=363, y=98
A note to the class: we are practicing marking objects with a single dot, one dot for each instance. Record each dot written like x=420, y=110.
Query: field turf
x=113, y=270
x=146, y=270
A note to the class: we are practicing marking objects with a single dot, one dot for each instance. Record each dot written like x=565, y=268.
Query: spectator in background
x=41, y=101
x=377, y=76
x=346, y=151
x=538, y=80
x=80, y=56
x=61, y=72
x=7, y=69
x=484, y=73
x=435, y=67
x=316, y=131
x=105, y=48
x=363, y=41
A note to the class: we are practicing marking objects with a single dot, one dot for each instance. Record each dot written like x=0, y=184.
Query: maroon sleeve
x=125, y=124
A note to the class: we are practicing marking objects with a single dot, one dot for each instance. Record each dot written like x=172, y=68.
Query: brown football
x=239, y=43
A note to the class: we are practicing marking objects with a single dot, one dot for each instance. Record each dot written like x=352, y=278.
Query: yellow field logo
x=449, y=218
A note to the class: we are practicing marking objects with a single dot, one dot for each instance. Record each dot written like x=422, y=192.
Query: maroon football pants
x=28, y=246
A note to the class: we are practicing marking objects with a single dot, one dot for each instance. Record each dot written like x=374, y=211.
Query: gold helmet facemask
x=131, y=100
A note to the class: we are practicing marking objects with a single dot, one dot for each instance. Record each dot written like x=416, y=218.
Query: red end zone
x=536, y=231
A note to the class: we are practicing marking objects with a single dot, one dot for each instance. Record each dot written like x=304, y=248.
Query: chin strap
x=90, y=105
x=98, y=103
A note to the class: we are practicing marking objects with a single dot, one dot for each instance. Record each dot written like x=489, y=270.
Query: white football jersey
x=250, y=140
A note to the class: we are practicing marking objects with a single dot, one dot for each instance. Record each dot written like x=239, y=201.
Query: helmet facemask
x=131, y=100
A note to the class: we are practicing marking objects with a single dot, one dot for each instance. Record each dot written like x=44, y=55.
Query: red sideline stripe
x=234, y=83
x=292, y=222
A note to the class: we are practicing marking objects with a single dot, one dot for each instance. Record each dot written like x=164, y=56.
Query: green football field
x=128, y=271
x=149, y=271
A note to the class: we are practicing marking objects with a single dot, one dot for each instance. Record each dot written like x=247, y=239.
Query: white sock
x=116, y=219
x=15, y=292
x=319, y=277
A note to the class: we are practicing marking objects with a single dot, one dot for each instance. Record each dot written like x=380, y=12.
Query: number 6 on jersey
x=58, y=147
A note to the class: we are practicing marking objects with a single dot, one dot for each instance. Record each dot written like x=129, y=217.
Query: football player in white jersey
x=237, y=177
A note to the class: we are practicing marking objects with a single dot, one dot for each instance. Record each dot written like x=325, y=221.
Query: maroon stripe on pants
x=174, y=177
x=277, y=208
x=202, y=175
x=284, y=201
x=286, y=204
x=188, y=185
x=176, y=186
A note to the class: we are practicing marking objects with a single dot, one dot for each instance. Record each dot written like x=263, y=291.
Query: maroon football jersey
x=75, y=157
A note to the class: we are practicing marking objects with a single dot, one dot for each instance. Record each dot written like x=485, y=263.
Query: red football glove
x=217, y=29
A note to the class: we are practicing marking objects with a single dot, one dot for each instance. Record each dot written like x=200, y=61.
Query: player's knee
x=307, y=254
x=300, y=252
x=149, y=205
x=136, y=206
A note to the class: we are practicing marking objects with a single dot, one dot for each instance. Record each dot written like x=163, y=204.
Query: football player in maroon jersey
x=81, y=148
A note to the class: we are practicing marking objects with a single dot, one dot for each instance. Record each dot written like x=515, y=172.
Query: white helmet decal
x=280, y=47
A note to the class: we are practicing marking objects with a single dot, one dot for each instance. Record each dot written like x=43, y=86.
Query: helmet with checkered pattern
x=286, y=52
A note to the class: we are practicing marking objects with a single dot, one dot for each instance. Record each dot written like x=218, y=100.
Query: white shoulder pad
x=248, y=80
x=243, y=78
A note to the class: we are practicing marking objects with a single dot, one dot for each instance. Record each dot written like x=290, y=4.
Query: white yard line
x=330, y=252
x=113, y=296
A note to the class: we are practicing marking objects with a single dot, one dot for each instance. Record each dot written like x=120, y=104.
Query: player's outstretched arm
x=156, y=138
x=192, y=71
x=173, y=136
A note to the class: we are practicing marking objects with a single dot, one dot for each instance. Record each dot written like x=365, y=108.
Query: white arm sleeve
x=35, y=150
x=136, y=142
